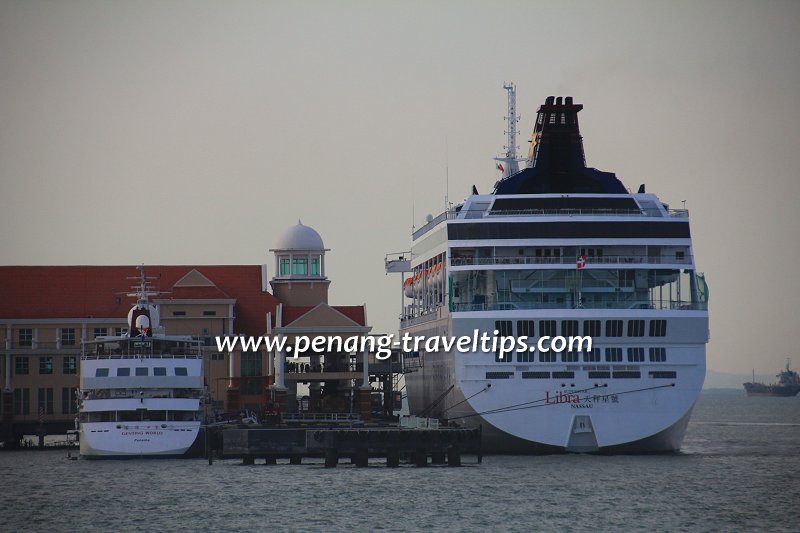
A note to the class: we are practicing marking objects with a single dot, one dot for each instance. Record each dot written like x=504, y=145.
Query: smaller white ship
x=141, y=394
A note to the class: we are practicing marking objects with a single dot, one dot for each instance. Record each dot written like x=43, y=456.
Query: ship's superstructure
x=560, y=249
x=142, y=393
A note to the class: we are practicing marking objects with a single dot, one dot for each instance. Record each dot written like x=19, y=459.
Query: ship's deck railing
x=627, y=304
x=141, y=356
x=566, y=260
x=321, y=417
x=484, y=213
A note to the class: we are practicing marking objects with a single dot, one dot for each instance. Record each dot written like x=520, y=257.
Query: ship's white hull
x=555, y=415
x=137, y=439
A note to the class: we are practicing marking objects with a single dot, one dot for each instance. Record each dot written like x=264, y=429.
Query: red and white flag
x=500, y=167
x=582, y=261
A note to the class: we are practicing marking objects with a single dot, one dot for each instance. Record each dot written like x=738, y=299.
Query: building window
x=160, y=371
x=284, y=265
x=21, y=366
x=100, y=332
x=179, y=313
x=591, y=356
x=68, y=403
x=46, y=365
x=635, y=355
x=26, y=337
x=217, y=356
x=569, y=328
x=123, y=372
x=251, y=373
x=614, y=355
x=613, y=328
x=181, y=371
x=68, y=336
x=658, y=355
x=119, y=332
x=315, y=271
x=141, y=371
x=46, y=401
x=658, y=328
x=547, y=328
x=591, y=328
x=70, y=365
x=101, y=373
x=635, y=328
x=22, y=402
x=300, y=266
x=209, y=313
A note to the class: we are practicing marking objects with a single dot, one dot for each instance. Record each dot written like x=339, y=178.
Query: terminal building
x=46, y=312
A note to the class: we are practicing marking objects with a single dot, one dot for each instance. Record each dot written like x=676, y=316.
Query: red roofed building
x=47, y=311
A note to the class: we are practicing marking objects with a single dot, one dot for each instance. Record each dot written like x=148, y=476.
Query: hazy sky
x=197, y=132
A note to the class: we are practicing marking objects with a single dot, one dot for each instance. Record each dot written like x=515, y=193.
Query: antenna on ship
x=509, y=163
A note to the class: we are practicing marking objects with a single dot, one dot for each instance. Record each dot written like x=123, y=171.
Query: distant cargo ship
x=788, y=384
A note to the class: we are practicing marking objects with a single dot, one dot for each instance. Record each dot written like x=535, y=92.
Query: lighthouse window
x=123, y=372
x=315, y=266
x=658, y=328
x=181, y=371
x=284, y=262
x=613, y=328
x=300, y=266
x=635, y=328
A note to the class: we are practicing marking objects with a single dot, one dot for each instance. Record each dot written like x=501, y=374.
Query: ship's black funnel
x=556, y=162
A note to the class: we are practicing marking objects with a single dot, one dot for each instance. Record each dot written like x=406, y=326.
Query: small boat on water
x=788, y=384
x=141, y=393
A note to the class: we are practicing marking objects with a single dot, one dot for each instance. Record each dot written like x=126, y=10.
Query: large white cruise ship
x=141, y=394
x=559, y=248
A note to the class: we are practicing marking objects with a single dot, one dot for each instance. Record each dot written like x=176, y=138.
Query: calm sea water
x=739, y=471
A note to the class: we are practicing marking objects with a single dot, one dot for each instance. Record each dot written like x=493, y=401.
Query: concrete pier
x=442, y=446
